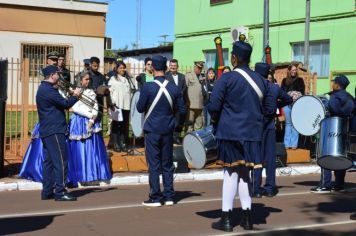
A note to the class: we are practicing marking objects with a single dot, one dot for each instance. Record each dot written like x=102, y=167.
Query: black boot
x=115, y=141
x=246, y=221
x=123, y=145
x=224, y=223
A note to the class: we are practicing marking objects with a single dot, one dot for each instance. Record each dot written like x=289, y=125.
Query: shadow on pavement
x=313, y=232
x=260, y=214
x=180, y=195
x=25, y=224
x=82, y=192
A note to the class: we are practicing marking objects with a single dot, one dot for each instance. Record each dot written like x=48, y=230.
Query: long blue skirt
x=88, y=159
x=32, y=162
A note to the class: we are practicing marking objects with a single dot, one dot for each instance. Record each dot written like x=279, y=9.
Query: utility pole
x=138, y=24
x=306, y=35
x=265, y=27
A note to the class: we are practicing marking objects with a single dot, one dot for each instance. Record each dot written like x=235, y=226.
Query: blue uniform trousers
x=268, y=150
x=325, y=180
x=159, y=156
x=55, y=164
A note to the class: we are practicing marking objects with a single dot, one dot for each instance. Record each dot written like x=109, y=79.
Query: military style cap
x=49, y=70
x=199, y=64
x=262, y=69
x=242, y=50
x=52, y=55
x=159, y=62
x=86, y=61
x=342, y=80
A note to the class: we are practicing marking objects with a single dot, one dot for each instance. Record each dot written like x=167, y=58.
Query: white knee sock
x=229, y=190
x=244, y=188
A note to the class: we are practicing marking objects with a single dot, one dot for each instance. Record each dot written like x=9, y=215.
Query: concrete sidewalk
x=10, y=184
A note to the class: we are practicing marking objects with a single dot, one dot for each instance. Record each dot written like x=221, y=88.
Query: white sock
x=244, y=188
x=229, y=190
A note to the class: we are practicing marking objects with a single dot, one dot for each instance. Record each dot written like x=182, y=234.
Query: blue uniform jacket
x=51, y=109
x=341, y=104
x=237, y=107
x=281, y=98
x=162, y=119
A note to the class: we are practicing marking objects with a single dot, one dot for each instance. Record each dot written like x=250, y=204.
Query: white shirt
x=83, y=109
x=175, y=77
x=120, y=92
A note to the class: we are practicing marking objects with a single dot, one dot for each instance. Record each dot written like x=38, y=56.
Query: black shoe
x=224, y=223
x=117, y=148
x=176, y=140
x=257, y=195
x=65, y=197
x=246, y=221
x=338, y=189
x=151, y=203
x=353, y=216
x=47, y=197
x=320, y=190
x=270, y=193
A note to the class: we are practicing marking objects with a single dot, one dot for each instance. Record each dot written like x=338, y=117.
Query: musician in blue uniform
x=237, y=105
x=341, y=104
x=51, y=112
x=281, y=98
x=159, y=100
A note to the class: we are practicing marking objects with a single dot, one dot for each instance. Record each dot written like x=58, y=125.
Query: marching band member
x=295, y=87
x=341, y=104
x=88, y=160
x=268, y=148
x=51, y=111
x=238, y=103
x=158, y=100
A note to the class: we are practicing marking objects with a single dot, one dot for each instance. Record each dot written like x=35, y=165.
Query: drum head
x=307, y=113
x=194, y=151
x=136, y=118
x=335, y=162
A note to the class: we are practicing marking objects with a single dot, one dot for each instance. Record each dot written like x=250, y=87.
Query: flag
x=219, y=60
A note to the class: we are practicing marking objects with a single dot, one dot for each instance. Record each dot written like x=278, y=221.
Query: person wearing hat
x=268, y=148
x=147, y=75
x=51, y=113
x=52, y=58
x=195, y=85
x=62, y=67
x=159, y=100
x=236, y=107
x=341, y=104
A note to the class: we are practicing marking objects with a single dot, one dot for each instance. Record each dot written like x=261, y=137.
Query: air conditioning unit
x=237, y=31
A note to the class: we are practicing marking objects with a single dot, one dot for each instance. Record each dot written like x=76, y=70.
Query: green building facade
x=332, y=33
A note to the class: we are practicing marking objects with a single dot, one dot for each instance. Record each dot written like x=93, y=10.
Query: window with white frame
x=210, y=57
x=319, y=54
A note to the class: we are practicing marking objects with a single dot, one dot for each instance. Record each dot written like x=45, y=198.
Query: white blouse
x=120, y=92
x=83, y=109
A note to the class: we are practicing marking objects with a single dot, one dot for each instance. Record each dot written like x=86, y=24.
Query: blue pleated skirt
x=239, y=153
x=31, y=168
x=88, y=159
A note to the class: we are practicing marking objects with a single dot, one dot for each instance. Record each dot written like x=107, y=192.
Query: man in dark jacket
x=179, y=79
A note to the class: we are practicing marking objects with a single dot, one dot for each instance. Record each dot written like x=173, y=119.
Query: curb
x=194, y=175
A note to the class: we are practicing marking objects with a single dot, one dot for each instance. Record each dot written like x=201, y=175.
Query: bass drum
x=200, y=147
x=136, y=118
x=306, y=114
x=333, y=146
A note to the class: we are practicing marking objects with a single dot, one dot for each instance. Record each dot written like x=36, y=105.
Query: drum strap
x=158, y=96
x=251, y=82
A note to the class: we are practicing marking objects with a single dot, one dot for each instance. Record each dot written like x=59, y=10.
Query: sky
x=157, y=18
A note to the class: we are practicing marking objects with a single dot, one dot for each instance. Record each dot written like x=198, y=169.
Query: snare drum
x=306, y=114
x=136, y=118
x=200, y=147
x=332, y=150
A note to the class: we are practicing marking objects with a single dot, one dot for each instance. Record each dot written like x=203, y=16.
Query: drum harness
x=158, y=96
x=251, y=82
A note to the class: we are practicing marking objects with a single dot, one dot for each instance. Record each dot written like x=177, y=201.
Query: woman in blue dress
x=31, y=168
x=88, y=160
